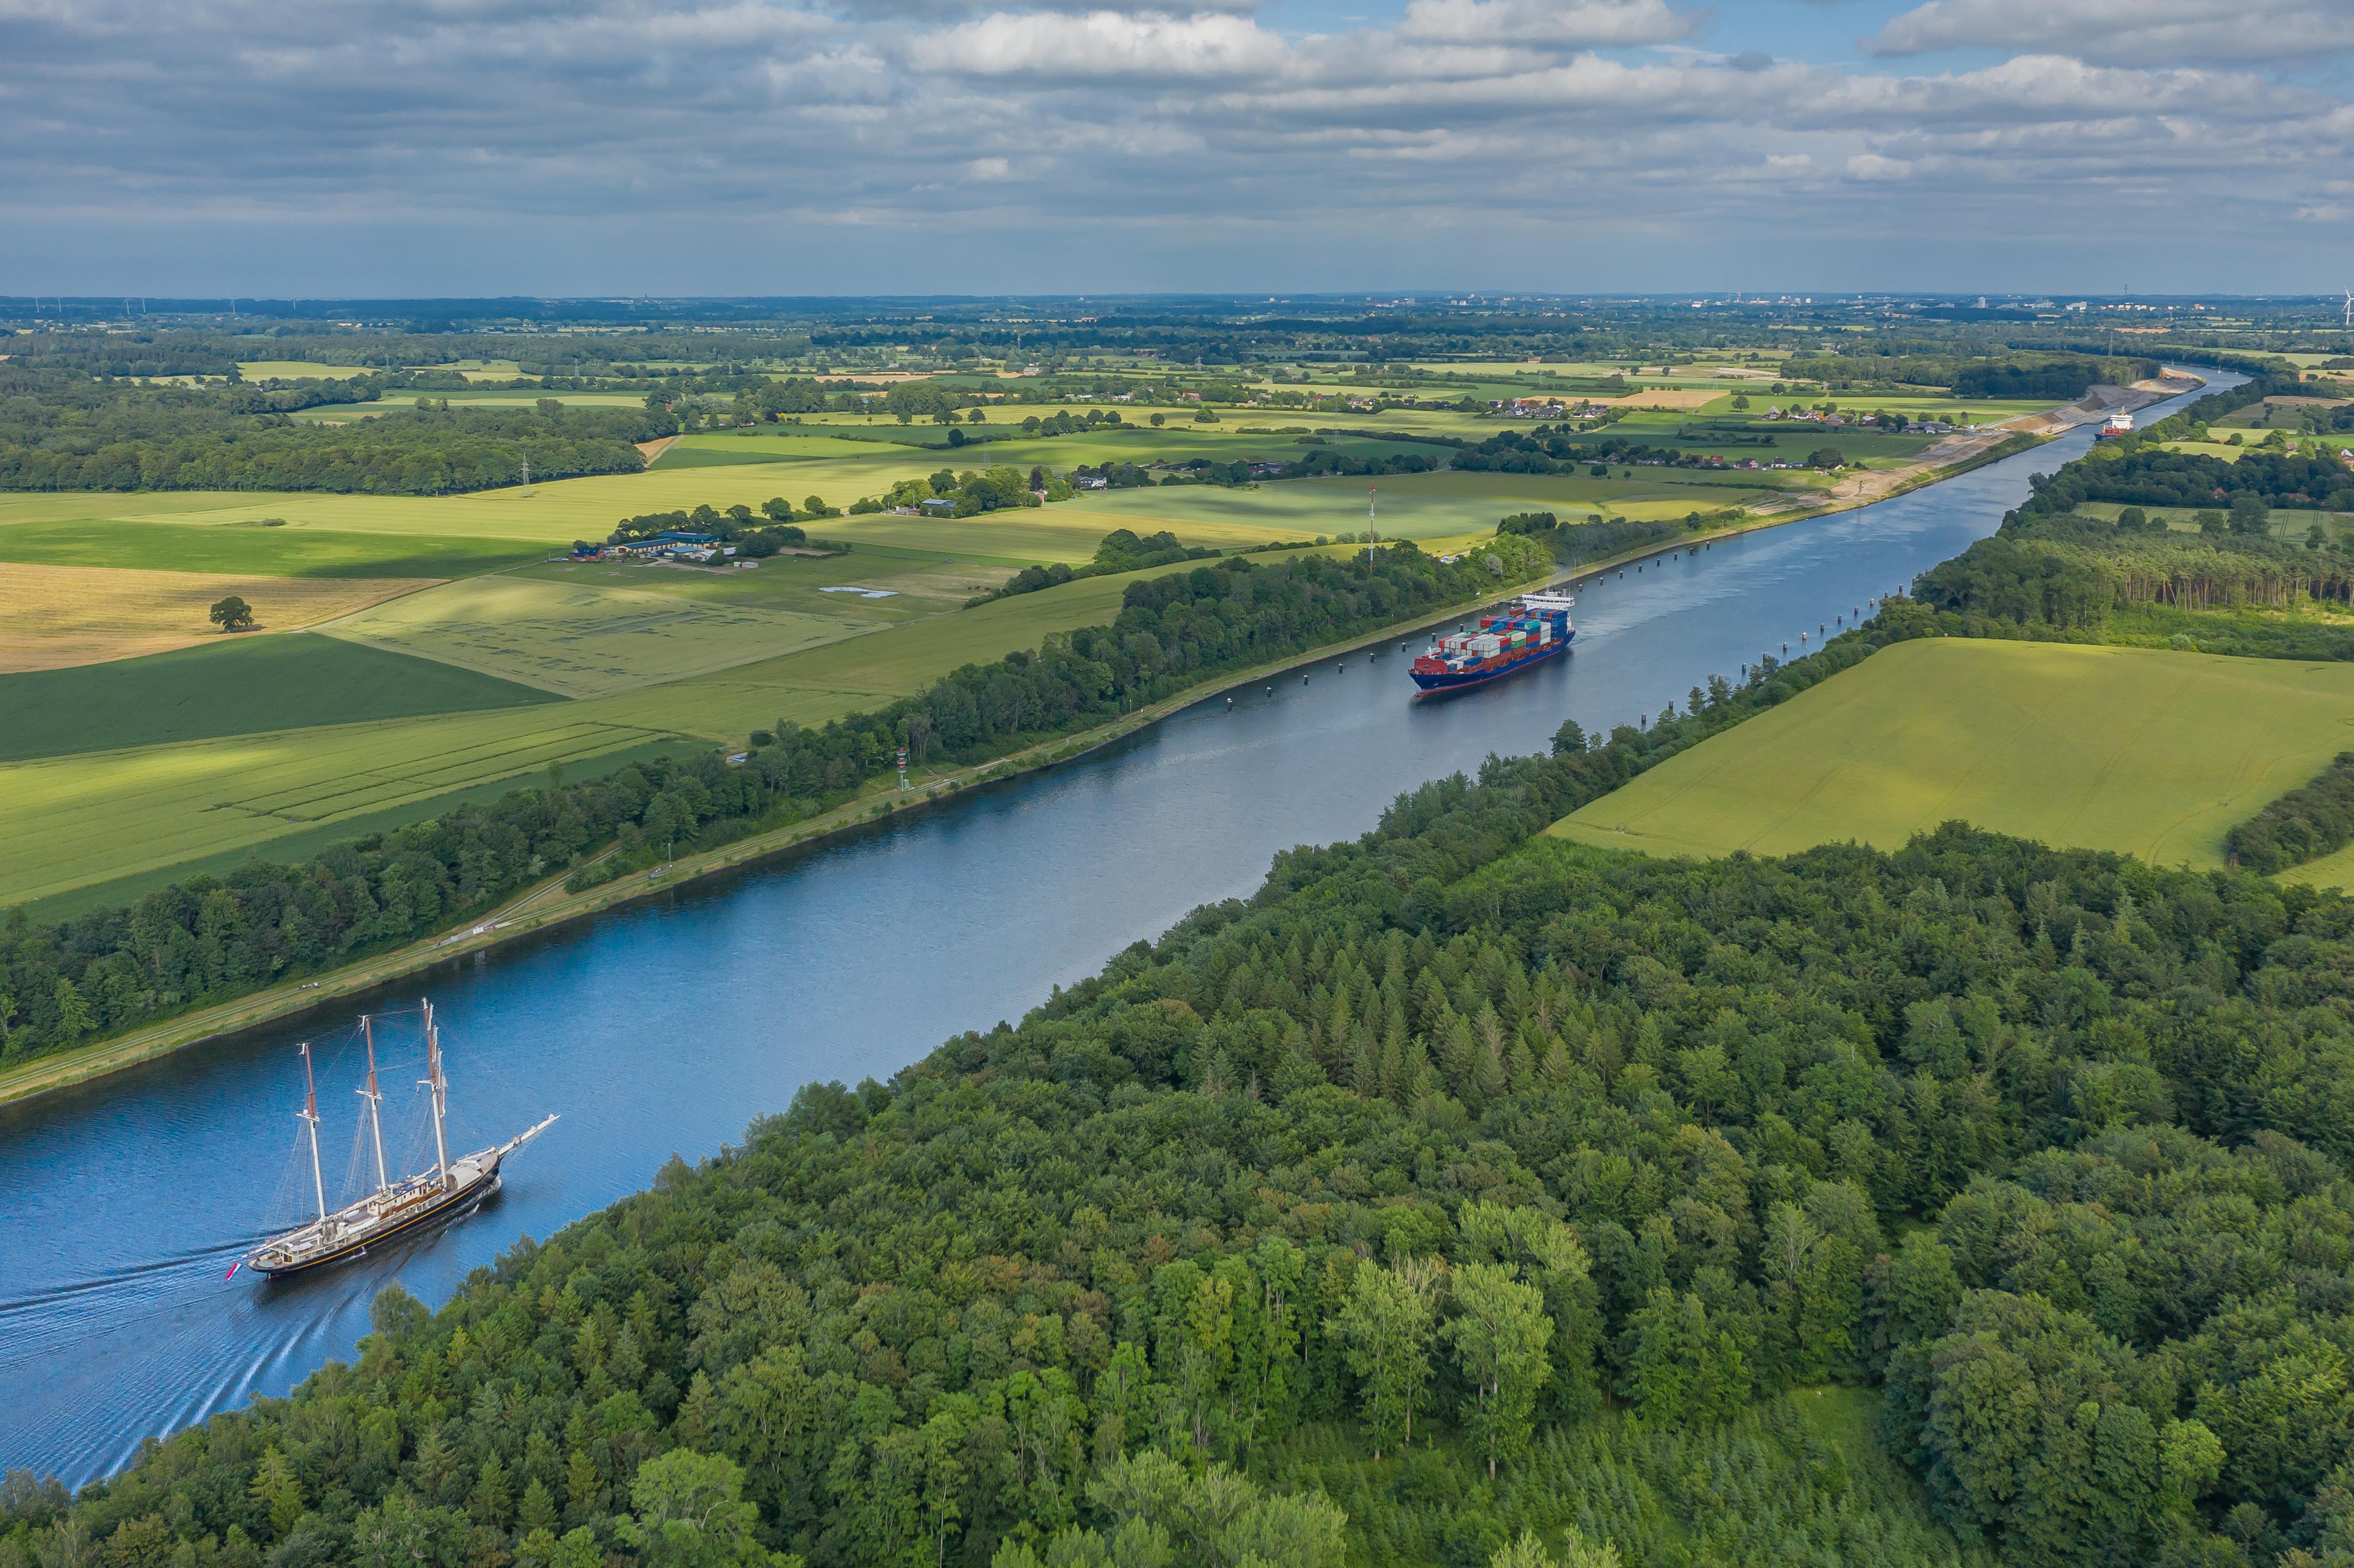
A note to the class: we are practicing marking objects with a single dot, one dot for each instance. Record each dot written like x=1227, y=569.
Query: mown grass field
x=55, y=616
x=67, y=821
x=586, y=640
x=2152, y=753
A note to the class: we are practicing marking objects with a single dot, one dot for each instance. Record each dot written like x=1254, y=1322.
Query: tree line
x=1121, y=550
x=2023, y=375
x=115, y=436
x=2311, y=821
x=1463, y=1183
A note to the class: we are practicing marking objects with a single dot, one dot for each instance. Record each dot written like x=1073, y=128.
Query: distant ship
x=1532, y=628
x=2115, y=425
x=395, y=1208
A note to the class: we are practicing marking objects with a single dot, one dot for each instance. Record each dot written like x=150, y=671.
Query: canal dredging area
x=547, y=907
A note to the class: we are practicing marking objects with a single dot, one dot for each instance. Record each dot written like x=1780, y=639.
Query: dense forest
x=212, y=939
x=1462, y=1183
x=73, y=433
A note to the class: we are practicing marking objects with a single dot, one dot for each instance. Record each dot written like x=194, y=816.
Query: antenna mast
x=1370, y=535
x=310, y=1114
x=440, y=1090
x=374, y=1099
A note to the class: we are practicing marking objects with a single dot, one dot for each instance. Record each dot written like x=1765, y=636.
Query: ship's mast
x=311, y=1116
x=374, y=1099
x=440, y=1086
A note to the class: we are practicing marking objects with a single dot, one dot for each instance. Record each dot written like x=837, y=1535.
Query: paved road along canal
x=667, y=1026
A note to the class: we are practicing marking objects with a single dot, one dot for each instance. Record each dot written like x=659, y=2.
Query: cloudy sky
x=380, y=147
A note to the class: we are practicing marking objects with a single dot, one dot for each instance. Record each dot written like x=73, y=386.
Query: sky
x=374, y=148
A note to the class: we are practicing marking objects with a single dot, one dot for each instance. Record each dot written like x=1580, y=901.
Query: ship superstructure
x=395, y=1208
x=1531, y=630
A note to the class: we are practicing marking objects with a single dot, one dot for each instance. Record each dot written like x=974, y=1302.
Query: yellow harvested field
x=298, y=370
x=1669, y=397
x=583, y=640
x=52, y=617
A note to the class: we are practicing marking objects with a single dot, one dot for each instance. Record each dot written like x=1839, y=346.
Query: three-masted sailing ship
x=395, y=1208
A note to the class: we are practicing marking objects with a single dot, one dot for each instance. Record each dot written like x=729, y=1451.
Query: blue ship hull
x=1464, y=680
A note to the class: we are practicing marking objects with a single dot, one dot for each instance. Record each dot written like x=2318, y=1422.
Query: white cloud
x=143, y=129
x=1563, y=24
x=1102, y=45
x=2128, y=32
x=1873, y=166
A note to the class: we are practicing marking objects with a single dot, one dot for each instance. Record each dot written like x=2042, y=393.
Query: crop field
x=55, y=616
x=1419, y=506
x=586, y=638
x=234, y=685
x=69, y=821
x=2152, y=753
x=110, y=817
x=297, y=370
x=918, y=588
x=389, y=562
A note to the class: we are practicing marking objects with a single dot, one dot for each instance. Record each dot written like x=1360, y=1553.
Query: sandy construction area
x=55, y=616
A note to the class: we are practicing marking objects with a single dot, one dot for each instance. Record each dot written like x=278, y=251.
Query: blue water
x=663, y=1028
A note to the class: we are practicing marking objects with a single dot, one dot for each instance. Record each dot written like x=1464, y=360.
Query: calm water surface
x=665, y=1027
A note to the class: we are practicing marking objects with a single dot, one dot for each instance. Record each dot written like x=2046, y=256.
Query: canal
x=665, y=1027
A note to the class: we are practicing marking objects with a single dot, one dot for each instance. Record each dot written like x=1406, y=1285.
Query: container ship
x=1531, y=629
x=395, y=1208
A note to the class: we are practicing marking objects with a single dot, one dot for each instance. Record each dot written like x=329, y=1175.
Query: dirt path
x=652, y=451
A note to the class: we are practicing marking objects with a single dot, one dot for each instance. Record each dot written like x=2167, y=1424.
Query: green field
x=67, y=821
x=235, y=686
x=292, y=551
x=2155, y=754
x=114, y=817
x=584, y=639
x=1421, y=506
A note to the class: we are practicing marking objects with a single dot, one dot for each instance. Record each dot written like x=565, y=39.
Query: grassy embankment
x=2149, y=753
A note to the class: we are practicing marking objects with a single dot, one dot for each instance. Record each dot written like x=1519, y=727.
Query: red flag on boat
x=233, y=1268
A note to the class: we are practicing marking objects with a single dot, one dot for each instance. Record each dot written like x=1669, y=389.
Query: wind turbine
x=2349, y=307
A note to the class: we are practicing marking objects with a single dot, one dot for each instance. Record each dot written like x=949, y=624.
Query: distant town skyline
x=718, y=147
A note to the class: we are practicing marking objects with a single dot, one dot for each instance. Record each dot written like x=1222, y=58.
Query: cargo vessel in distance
x=1531, y=629
x=395, y=1208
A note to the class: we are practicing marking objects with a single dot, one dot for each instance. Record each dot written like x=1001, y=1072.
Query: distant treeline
x=115, y=436
x=2036, y=376
x=212, y=939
